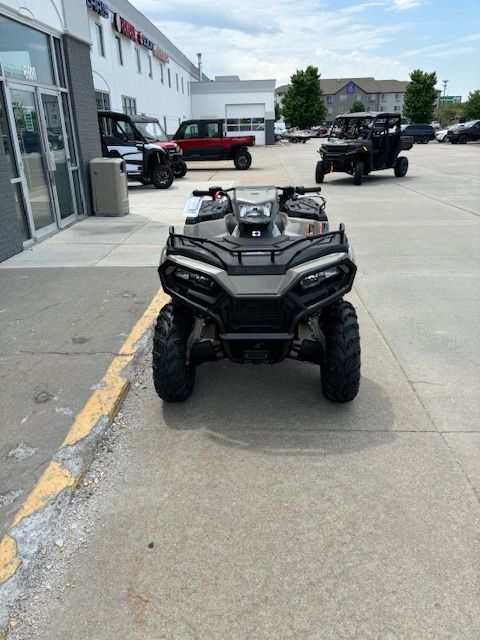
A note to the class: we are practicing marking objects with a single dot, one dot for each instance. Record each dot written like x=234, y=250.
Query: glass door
x=58, y=156
x=33, y=159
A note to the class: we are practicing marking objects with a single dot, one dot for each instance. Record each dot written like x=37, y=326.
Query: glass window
x=139, y=63
x=25, y=52
x=150, y=67
x=191, y=131
x=103, y=100
x=169, y=78
x=343, y=97
x=129, y=105
x=342, y=110
x=382, y=97
x=183, y=88
x=176, y=79
x=119, y=50
x=328, y=98
x=7, y=139
x=100, y=43
x=372, y=97
x=162, y=78
x=213, y=130
x=59, y=58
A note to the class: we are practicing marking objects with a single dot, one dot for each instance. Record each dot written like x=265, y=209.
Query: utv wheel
x=319, y=172
x=401, y=166
x=341, y=367
x=179, y=168
x=463, y=139
x=162, y=176
x=358, y=173
x=172, y=377
x=242, y=160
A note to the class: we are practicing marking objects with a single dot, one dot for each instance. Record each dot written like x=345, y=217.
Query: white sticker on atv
x=192, y=207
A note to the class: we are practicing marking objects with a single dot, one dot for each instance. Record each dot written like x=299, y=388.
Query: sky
x=386, y=39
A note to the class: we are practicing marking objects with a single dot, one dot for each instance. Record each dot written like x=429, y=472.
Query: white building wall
x=170, y=104
x=213, y=105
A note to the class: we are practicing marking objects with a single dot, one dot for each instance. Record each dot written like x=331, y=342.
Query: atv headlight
x=316, y=278
x=255, y=212
x=194, y=279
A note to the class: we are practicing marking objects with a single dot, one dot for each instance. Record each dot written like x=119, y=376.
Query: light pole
x=445, y=82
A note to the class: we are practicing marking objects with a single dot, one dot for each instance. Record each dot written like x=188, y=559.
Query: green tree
x=471, y=108
x=357, y=106
x=448, y=113
x=420, y=96
x=278, y=112
x=302, y=105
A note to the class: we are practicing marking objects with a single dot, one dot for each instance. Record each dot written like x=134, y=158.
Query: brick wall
x=10, y=234
x=82, y=96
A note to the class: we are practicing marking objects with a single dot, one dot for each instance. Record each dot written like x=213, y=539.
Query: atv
x=363, y=142
x=256, y=277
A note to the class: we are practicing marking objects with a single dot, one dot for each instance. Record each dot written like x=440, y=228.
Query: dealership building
x=61, y=61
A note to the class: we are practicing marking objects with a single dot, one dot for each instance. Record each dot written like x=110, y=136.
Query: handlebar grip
x=302, y=190
x=198, y=192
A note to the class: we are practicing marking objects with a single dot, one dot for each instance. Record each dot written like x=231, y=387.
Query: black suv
x=419, y=132
x=470, y=131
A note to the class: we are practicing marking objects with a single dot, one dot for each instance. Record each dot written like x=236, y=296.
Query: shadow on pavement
x=230, y=402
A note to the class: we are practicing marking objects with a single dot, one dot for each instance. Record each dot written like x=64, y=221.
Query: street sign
x=451, y=99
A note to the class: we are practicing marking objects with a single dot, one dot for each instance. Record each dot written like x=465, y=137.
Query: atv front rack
x=245, y=256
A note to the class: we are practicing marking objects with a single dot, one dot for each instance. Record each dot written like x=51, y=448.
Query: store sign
x=100, y=7
x=125, y=28
x=451, y=99
x=350, y=87
x=161, y=55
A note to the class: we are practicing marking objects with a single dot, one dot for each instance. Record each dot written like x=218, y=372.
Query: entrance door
x=58, y=158
x=33, y=160
x=44, y=157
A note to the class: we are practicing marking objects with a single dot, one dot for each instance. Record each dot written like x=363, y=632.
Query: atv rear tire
x=319, y=172
x=179, y=168
x=242, y=160
x=172, y=377
x=341, y=367
x=401, y=166
x=358, y=173
x=162, y=176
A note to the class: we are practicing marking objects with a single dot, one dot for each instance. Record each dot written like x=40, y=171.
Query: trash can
x=109, y=186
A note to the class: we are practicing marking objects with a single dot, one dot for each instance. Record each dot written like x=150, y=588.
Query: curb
x=34, y=524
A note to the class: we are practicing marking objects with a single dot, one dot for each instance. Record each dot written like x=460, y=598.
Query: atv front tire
x=319, y=172
x=179, y=168
x=172, y=377
x=341, y=367
x=162, y=176
x=358, y=173
x=401, y=166
x=242, y=160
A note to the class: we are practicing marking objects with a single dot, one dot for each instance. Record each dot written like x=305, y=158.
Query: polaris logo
x=256, y=234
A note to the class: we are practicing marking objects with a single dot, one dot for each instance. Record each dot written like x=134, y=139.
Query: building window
x=397, y=108
x=183, y=88
x=188, y=88
x=369, y=109
x=176, y=80
x=342, y=110
x=244, y=124
x=329, y=110
x=100, y=42
x=382, y=108
x=139, y=62
x=382, y=97
x=169, y=78
x=328, y=98
x=343, y=97
x=119, y=50
x=162, y=79
x=102, y=98
x=372, y=97
x=129, y=106
x=150, y=67
x=398, y=96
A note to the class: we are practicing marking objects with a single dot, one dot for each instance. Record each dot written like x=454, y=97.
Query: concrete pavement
x=273, y=513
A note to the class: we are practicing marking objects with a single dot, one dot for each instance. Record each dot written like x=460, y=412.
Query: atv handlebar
x=287, y=191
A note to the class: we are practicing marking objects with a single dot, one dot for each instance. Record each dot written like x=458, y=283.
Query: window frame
x=100, y=40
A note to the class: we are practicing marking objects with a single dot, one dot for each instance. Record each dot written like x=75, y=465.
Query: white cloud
x=474, y=36
x=403, y=5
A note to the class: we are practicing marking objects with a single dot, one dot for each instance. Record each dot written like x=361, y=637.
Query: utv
x=363, y=142
x=149, y=156
x=256, y=277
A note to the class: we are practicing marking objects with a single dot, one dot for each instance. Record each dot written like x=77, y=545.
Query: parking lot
x=257, y=509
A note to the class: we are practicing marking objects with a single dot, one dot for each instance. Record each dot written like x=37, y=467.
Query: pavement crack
x=71, y=353
x=450, y=204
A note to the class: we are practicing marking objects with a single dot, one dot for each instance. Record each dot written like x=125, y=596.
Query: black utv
x=363, y=142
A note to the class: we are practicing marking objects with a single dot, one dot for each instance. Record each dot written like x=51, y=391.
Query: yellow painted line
x=9, y=561
x=54, y=479
x=105, y=401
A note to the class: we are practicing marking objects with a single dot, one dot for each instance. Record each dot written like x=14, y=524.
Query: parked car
x=148, y=161
x=443, y=134
x=280, y=129
x=422, y=133
x=207, y=140
x=470, y=131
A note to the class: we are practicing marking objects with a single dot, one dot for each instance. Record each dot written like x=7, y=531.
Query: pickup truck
x=206, y=140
